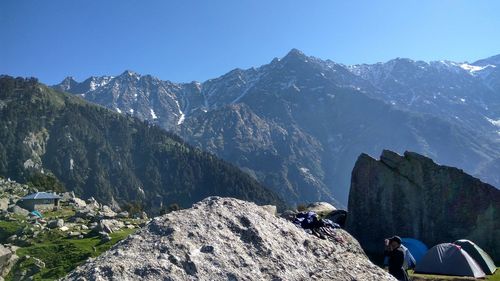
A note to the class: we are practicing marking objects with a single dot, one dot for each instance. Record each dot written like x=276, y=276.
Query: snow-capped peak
x=295, y=54
x=130, y=73
x=474, y=68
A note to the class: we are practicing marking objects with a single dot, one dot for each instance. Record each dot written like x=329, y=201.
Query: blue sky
x=196, y=40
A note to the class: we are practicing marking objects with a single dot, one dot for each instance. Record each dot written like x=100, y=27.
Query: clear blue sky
x=188, y=40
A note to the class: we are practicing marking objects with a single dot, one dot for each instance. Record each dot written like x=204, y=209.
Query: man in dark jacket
x=396, y=255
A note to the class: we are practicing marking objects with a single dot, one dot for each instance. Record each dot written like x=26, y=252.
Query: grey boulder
x=4, y=204
x=8, y=258
x=55, y=223
x=228, y=239
x=321, y=208
x=19, y=211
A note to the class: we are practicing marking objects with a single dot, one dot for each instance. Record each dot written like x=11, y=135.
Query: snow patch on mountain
x=98, y=82
x=181, y=115
x=472, y=69
x=493, y=121
x=306, y=173
x=181, y=119
x=153, y=114
x=139, y=188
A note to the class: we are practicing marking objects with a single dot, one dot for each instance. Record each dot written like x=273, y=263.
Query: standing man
x=396, y=255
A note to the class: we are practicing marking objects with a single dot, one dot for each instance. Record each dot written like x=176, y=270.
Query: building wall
x=38, y=204
x=44, y=206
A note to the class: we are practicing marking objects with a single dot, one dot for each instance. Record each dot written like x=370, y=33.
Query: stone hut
x=39, y=201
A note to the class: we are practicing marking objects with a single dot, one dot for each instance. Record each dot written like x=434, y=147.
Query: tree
x=46, y=182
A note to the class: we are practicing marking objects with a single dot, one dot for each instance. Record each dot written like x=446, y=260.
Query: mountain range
x=298, y=123
x=116, y=158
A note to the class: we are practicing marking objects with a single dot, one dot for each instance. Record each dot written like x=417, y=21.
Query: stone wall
x=37, y=204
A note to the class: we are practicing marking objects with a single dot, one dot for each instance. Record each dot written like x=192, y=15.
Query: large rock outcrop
x=412, y=196
x=228, y=239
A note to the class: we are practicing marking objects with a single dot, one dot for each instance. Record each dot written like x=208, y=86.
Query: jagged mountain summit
x=228, y=239
x=128, y=91
x=145, y=97
x=298, y=123
x=458, y=92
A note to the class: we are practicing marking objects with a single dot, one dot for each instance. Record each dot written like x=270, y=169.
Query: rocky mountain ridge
x=457, y=92
x=310, y=118
x=402, y=82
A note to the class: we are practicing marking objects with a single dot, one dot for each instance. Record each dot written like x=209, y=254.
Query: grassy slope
x=8, y=228
x=428, y=277
x=61, y=255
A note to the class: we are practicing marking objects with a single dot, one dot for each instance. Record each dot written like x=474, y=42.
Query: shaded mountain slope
x=285, y=158
x=99, y=153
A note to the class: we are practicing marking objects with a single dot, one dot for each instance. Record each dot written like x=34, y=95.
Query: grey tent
x=478, y=254
x=449, y=259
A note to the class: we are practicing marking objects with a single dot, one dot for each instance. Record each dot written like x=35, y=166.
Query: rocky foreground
x=228, y=239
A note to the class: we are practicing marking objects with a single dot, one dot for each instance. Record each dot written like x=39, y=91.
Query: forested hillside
x=96, y=152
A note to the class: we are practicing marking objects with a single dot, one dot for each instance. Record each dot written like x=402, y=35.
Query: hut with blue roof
x=39, y=201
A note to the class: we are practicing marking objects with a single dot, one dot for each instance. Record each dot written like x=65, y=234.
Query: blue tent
x=416, y=248
x=36, y=214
